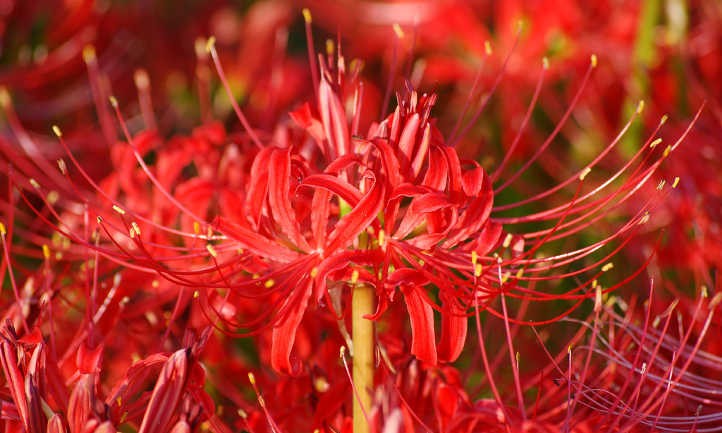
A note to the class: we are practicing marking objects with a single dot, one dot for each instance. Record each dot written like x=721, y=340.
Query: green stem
x=362, y=304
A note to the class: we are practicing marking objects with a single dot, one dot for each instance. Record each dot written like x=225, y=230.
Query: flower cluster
x=223, y=278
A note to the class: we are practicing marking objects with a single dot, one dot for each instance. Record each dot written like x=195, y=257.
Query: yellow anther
x=261, y=401
x=519, y=273
x=242, y=413
x=354, y=276
x=545, y=63
x=269, y=283
x=655, y=142
x=715, y=300
x=667, y=151
x=3, y=231
x=99, y=219
x=584, y=173
x=46, y=252
x=62, y=167
x=382, y=238
x=251, y=378
x=507, y=240
x=320, y=384
x=342, y=352
x=113, y=101
x=505, y=277
x=196, y=294
x=477, y=270
x=155, y=284
x=118, y=209
x=89, y=54
x=210, y=44
x=660, y=185
x=141, y=79
x=607, y=267
x=4, y=97
x=330, y=47
x=212, y=251
x=474, y=257
x=135, y=228
x=307, y=15
x=663, y=120
x=119, y=401
x=594, y=284
x=314, y=272
x=676, y=182
x=487, y=48
x=34, y=183
x=52, y=197
x=594, y=60
x=640, y=106
x=398, y=30
x=56, y=130
x=196, y=227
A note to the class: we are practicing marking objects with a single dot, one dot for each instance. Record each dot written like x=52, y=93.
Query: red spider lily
x=394, y=209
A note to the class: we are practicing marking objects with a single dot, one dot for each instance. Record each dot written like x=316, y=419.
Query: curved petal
x=421, y=315
x=284, y=333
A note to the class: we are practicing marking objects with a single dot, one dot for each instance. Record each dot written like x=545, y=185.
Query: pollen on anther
x=34, y=183
x=135, y=228
x=56, y=130
x=118, y=209
x=314, y=272
x=660, y=185
x=330, y=47
x=89, y=54
x=212, y=251
x=487, y=48
x=269, y=283
x=676, y=182
x=196, y=294
x=477, y=270
x=594, y=60
x=113, y=101
x=545, y=62
x=62, y=167
x=354, y=276
x=607, y=267
x=196, y=227
x=507, y=240
x=46, y=252
x=307, y=15
x=210, y=43
x=640, y=106
x=398, y=30
x=654, y=143
x=251, y=378
x=667, y=151
x=3, y=230
x=584, y=173
x=4, y=97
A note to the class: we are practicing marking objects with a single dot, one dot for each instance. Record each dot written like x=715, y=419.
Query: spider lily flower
x=320, y=207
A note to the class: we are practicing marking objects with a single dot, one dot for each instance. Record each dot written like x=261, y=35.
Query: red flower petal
x=284, y=334
x=423, y=339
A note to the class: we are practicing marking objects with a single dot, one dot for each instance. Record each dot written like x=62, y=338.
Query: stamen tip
x=141, y=79
x=252, y=378
x=398, y=31
x=593, y=60
x=210, y=44
x=676, y=182
x=56, y=130
x=487, y=48
x=212, y=251
x=584, y=173
x=4, y=97
x=89, y=54
x=609, y=266
x=307, y=16
x=113, y=101
x=3, y=230
x=640, y=106
x=545, y=62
